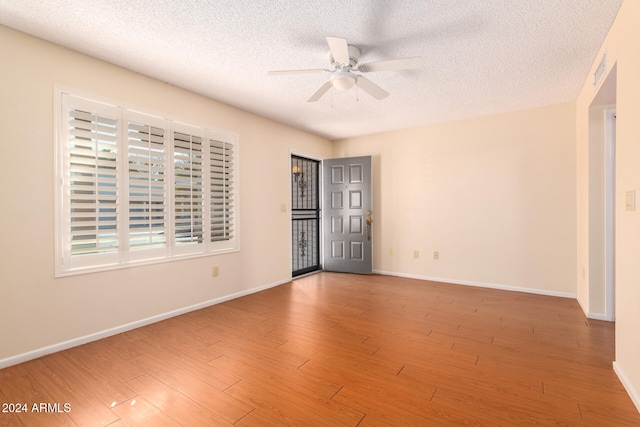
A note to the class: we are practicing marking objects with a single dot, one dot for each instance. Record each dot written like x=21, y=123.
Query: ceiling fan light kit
x=343, y=80
x=343, y=65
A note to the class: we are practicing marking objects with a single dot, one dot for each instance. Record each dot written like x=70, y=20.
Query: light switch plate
x=630, y=201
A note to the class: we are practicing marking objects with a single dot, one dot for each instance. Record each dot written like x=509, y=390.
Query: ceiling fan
x=343, y=65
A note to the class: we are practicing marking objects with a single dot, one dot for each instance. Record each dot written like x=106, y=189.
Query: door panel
x=348, y=201
x=336, y=200
x=355, y=225
x=355, y=199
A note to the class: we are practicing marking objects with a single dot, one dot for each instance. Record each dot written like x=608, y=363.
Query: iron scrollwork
x=302, y=243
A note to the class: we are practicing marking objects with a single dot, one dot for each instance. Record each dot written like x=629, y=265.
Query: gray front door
x=347, y=214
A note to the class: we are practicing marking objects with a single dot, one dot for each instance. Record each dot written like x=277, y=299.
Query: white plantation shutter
x=147, y=183
x=221, y=158
x=138, y=188
x=91, y=202
x=188, y=156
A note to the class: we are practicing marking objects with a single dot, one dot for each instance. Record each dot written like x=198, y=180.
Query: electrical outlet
x=391, y=251
x=436, y=255
x=215, y=271
x=416, y=254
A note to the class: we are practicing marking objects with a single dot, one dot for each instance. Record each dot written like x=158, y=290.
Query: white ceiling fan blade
x=371, y=88
x=339, y=49
x=289, y=72
x=392, y=64
x=318, y=94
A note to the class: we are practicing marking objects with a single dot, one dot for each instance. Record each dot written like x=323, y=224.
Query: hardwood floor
x=338, y=349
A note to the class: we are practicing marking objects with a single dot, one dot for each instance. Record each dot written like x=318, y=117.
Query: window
x=138, y=188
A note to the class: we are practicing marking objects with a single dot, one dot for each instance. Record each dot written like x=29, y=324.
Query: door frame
x=320, y=159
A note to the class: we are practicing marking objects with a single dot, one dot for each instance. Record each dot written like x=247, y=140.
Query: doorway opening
x=610, y=212
x=600, y=296
x=305, y=215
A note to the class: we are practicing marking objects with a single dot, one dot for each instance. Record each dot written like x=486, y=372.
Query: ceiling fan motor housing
x=354, y=56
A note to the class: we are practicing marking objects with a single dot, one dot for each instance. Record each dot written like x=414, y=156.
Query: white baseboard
x=34, y=354
x=597, y=316
x=594, y=316
x=480, y=285
x=631, y=391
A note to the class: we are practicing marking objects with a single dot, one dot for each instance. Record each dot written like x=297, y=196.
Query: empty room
x=320, y=213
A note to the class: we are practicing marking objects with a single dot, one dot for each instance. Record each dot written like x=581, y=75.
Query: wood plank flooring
x=339, y=349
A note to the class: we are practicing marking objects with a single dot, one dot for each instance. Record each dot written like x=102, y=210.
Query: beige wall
x=621, y=48
x=495, y=196
x=37, y=310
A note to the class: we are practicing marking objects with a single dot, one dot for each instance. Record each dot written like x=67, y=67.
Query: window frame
x=124, y=256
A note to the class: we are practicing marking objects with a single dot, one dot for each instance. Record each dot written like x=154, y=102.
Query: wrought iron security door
x=305, y=215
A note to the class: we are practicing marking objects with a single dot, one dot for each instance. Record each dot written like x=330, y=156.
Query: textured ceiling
x=481, y=56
